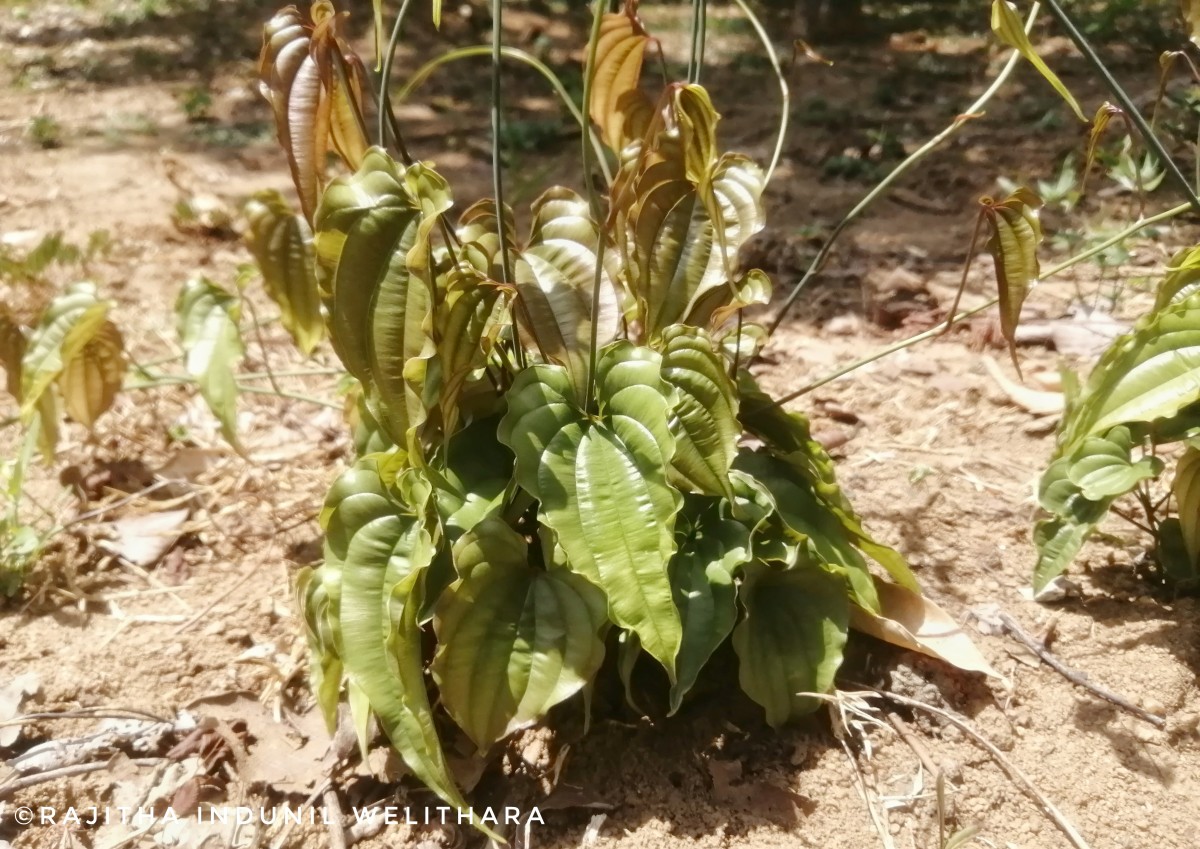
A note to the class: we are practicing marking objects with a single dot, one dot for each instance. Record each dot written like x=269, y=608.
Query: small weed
x=196, y=103
x=45, y=132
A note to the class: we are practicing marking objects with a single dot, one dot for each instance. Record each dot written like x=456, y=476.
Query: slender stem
x=423, y=73
x=497, y=169
x=262, y=345
x=784, y=93
x=819, y=262
x=938, y=329
x=589, y=73
x=185, y=380
x=385, y=79
x=1131, y=110
x=699, y=25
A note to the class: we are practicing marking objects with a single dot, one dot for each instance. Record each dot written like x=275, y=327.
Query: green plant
x=196, y=103
x=45, y=131
x=1142, y=395
x=570, y=456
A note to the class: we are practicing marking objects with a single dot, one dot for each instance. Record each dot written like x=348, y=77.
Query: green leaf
x=322, y=632
x=791, y=639
x=475, y=478
x=207, y=318
x=788, y=436
x=385, y=546
x=1147, y=375
x=1009, y=28
x=1016, y=233
x=1186, y=489
x=1103, y=468
x=91, y=379
x=469, y=320
x=13, y=343
x=602, y=484
x=67, y=325
x=513, y=640
x=555, y=276
x=710, y=550
x=372, y=251
x=705, y=426
x=1182, y=279
x=818, y=528
x=282, y=246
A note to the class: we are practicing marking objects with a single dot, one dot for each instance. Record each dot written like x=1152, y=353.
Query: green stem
x=937, y=330
x=589, y=73
x=422, y=74
x=185, y=380
x=1123, y=98
x=785, y=95
x=900, y=170
x=385, y=79
x=699, y=25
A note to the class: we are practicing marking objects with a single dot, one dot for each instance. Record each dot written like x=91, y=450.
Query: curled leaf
x=208, y=319
x=1008, y=27
x=90, y=379
x=619, y=107
x=1016, y=233
x=12, y=350
x=1186, y=489
x=282, y=246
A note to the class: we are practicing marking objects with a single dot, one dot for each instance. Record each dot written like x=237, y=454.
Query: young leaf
x=282, y=246
x=1016, y=232
x=619, y=107
x=684, y=214
x=602, y=484
x=1103, y=468
x=90, y=379
x=368, y=241
x=513, y=640
x=343, y=79
x=468, y=320
x=1009, y=28
x=554, y=277
x=319, y=613
x=207, y=318
x=67, y=325
x=791, y=639
x=706, y=428
x=290, y=81
x=12, y=351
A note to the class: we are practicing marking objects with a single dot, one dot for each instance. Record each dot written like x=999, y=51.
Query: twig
x=333, y=813
x=914, y=743
x=27, y=781
x=233, y=588
x=1079, y=679
x=1021, y=779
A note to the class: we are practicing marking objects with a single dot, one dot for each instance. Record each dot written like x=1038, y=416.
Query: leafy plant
x=568, y=452
x=1143, y=394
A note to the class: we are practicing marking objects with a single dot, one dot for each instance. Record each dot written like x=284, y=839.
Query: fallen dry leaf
x=1031, y=400
x=913, y=622
x=142, y=540
x=11, y=696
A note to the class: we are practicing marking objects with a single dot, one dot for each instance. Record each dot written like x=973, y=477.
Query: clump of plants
x=568, y=453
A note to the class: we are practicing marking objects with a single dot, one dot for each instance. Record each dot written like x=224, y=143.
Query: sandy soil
x=938, y=459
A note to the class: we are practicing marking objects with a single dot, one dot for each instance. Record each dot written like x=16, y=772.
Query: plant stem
x=589, y=73
x=185, y=380
x=699, y=25
x=385, y=79
x=1123, y=98
x=938, y=329
x=823, y=255
x=784, y=93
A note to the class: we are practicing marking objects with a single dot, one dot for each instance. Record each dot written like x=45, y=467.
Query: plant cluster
x=568, y=454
